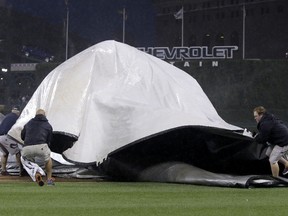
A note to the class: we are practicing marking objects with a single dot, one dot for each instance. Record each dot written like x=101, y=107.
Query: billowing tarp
x=130, y=113
x=112, y=94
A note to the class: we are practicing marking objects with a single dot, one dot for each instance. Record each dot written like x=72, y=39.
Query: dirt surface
x=13, y=178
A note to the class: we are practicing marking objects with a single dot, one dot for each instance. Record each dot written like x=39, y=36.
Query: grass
x=131, y=199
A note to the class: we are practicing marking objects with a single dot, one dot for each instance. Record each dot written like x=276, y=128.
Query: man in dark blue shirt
x=37, y=135
x=273, y=133
x=7, y=144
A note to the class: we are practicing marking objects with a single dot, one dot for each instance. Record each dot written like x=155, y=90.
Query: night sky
x=96, y=20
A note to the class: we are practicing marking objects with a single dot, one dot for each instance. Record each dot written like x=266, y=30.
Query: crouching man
x=7, y=144
x=37, y=135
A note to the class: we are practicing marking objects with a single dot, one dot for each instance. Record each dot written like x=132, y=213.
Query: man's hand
x=247, y=133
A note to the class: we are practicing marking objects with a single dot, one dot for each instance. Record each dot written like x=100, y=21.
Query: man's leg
x=18, y=160
x=4, y=159
x=9, y=146
x=274, y=169
x=46, y=155
x=4, y=156
x=48, y=168
x=285, y=163
x=283, y=159
x=275, y=156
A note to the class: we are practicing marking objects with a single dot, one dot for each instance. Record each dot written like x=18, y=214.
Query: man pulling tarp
x=37, y=135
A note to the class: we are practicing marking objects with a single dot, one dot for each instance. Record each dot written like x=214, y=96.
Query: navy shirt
x=272, y=130
x=7, y=123
x=37, y=131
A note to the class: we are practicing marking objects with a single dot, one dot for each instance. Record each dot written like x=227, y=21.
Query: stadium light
x=4, y=70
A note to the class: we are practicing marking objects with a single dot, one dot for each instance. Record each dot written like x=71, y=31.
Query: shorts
x=8, y=145
x=275, y=153
x=41, y=151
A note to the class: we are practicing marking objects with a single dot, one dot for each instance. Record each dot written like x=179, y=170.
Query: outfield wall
x=235, y=87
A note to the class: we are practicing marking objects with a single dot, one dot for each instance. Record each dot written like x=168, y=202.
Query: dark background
x=235, y=87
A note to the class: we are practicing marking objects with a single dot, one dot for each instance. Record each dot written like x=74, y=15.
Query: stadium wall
x=235, y=87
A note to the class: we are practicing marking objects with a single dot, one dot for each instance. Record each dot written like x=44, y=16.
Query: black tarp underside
x=190, y=155
x=230, y=159
x=175, y=172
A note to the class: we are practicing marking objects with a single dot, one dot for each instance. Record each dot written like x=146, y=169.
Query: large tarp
x=124, y=110
x=112, y=94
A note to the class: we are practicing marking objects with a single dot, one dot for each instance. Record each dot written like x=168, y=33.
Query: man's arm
x=264, y=133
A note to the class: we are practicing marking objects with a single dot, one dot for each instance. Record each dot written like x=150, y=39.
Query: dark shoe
x=285, y=171
x=5, y=173
x=39, y=179
x=50, y=182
